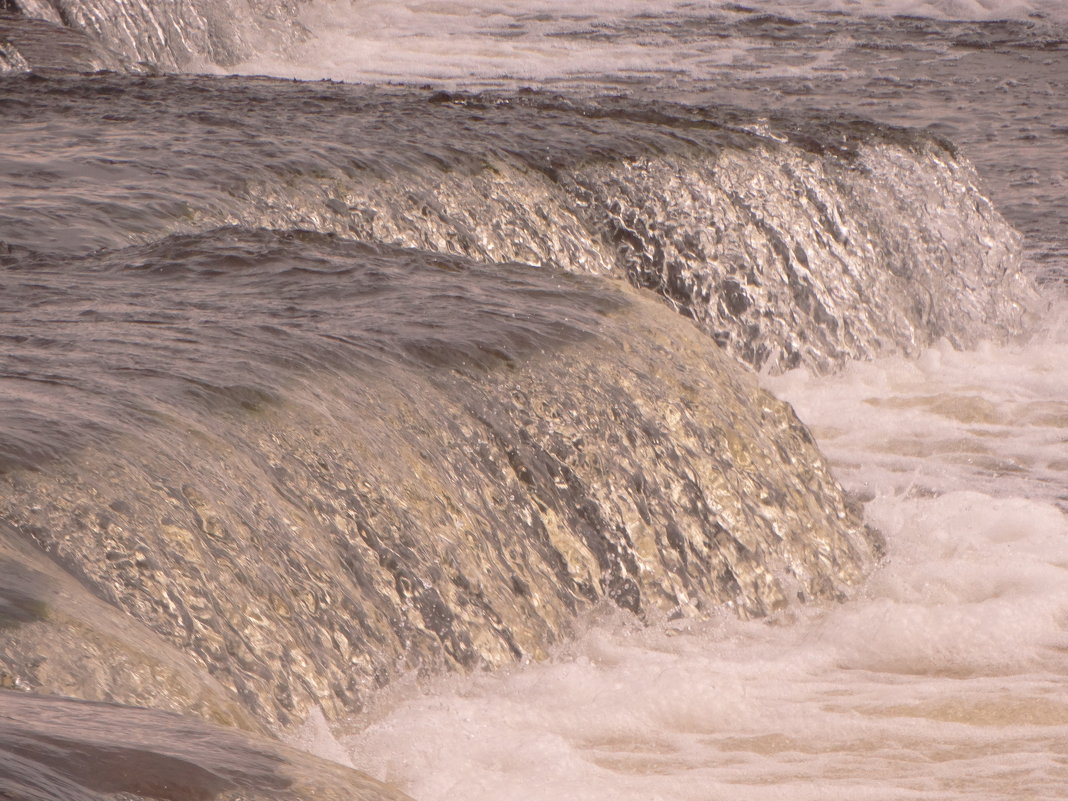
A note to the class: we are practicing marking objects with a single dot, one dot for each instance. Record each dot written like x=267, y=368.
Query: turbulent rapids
x=309, y=387
x=331, y=462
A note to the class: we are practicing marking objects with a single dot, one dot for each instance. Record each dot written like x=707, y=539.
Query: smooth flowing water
x=987, y=75
x=946, y=676
x=265, y=441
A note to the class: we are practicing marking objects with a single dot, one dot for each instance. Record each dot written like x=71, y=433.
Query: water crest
x=314, y=393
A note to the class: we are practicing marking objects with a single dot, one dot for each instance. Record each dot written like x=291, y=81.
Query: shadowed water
x=53, y=748
x=774, y=234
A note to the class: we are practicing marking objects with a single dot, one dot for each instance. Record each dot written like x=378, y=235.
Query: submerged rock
x=330, y=463
x=250, y=471
x=56, y=636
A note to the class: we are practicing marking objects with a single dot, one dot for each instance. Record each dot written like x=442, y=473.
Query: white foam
x=946, y=676
x=994, y=419
x=452, y=43
x=315, y=737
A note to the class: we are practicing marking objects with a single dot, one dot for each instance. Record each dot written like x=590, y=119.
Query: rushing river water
x=946, y=677
x=195, y=345
x=943, y=678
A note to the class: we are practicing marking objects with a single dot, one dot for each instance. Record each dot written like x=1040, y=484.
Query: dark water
x=230, y=318
x=60, y=748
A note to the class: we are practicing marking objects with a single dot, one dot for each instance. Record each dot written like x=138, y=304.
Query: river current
x=943, y=675
x=946, y=677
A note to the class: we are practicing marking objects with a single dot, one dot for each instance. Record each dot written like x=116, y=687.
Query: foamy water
x=943, y=679
x=450, y=43
x=994, y=420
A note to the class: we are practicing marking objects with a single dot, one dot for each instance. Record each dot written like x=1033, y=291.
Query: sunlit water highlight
x=943, y=679
x=989, y=75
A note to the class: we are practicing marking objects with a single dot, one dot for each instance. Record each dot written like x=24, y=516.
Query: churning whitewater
x=626, y=401
x=942, y=678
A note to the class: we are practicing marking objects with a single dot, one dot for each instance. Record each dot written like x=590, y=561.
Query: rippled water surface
x=945, y=678
x=991, y=84
x=183, y=256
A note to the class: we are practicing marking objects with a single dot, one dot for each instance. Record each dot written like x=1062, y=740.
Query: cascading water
x=172, y=35
x=771, y=234
x=313, y=392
